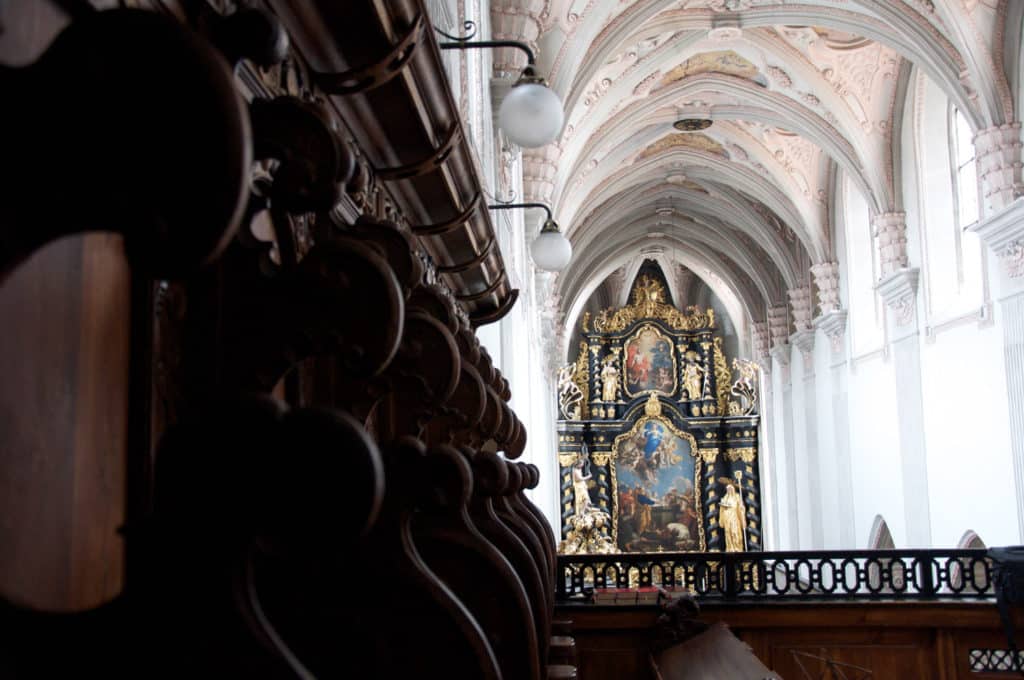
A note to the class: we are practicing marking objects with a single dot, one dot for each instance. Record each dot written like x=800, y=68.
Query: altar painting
x=649, y=364
x=653, y=483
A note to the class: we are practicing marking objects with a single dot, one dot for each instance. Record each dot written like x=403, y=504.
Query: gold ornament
x=653, y=405
x=744, y=453
x=582, y=380
x=649, y=303
x=722, y=377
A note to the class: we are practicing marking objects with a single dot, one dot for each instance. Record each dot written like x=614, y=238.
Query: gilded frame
x=698, y=490
x=634, y=336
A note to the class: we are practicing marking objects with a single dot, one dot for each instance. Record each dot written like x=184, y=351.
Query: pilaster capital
x=826, y=278
x=998, y=153
x=778, y=327
x=781, y=353
x=804, y=341
x=891, y=230
x=761, y=340
x=1003, y=232
x=801, y=306
x=899, y=291
x=833, y=325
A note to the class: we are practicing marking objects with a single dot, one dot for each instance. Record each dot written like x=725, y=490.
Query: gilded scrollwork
x=708, y=455
x=582, y=379
x=745, y=453
x=649, y=302
x=569, y=394
x=565, y=459
x=744, y=386
x=722, y=377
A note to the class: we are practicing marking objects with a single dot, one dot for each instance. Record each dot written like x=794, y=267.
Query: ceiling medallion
x=692, y=124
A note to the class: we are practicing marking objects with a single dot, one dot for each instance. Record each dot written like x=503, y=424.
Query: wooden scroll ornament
x=432, y=617
x=157, y=147
x=459, y=554
x=342, y=300
x=491, y=481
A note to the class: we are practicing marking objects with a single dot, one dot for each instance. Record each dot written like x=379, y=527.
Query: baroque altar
x=658, y=436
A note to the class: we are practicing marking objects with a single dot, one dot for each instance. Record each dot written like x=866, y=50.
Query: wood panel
x=891, y=640
x=64, y=354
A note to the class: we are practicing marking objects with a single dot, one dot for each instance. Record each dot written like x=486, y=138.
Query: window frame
x=956, y=164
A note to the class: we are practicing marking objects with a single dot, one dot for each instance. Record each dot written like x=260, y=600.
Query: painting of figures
x=655, y=469
x=649, y=364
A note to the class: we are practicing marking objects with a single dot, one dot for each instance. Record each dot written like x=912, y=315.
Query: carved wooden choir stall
x=318, y=455
x=658, y=446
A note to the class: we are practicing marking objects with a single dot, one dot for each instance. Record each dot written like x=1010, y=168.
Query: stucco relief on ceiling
x=690, y=140
x=795, y=89
x=861, y=72
x=723, y=61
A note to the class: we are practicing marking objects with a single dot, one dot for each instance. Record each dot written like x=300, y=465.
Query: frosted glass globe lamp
x=531, y=114
x=551, y=250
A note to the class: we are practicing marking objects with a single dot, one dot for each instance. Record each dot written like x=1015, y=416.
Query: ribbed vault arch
x=914, y=40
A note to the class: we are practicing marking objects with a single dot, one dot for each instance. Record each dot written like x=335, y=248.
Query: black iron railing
x=781, y=576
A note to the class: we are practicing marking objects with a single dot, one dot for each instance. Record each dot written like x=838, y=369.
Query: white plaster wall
x=967, y=437
x=785, y=467
x=827, y=445
x=874, y=449
x=804, y=449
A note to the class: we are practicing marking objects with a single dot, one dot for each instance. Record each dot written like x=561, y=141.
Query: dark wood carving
x=326, y=499
x=157, y=148
x=312, y=163
x=247, y=33
x=491, y=479
x=234, y=488
x=435, y=617
x=459, y=554
x=341, y=299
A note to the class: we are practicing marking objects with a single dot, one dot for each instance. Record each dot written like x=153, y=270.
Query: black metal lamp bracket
x=466, y=42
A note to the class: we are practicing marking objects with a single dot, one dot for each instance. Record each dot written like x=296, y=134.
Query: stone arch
x=758, y=104
x=724, y=211
x=915, y=40
x=703, y=166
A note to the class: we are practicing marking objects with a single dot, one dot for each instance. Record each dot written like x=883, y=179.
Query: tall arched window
x=861, y=270
x=965, y=171
x=947, y=195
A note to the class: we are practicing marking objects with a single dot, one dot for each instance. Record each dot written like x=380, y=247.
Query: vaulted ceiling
x=795, y=92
